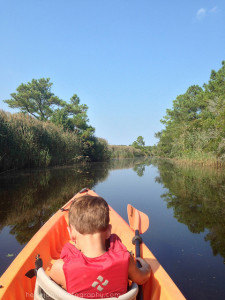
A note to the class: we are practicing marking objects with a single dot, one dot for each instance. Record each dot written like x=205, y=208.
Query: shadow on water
x=197, y=196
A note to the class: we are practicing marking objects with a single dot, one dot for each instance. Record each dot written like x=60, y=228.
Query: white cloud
x=201, y=13
x=214, y=10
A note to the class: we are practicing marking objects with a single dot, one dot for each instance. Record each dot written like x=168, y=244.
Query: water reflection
x=27, y=200
x=140, y=169
x=194, y=195
x=197, y=196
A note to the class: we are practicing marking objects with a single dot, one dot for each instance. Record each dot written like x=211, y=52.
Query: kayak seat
x=45, y=288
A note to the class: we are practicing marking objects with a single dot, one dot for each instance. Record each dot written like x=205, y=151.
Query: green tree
x=186, y=107
x=35, y=98
x=139, y=143
x=73, y=116
x=196, y=123
x=180, y=123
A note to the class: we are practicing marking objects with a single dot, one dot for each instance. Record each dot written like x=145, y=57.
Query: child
x=99, y=265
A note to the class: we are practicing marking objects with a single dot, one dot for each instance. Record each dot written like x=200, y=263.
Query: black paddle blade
x=38, y=264
x=31, y=273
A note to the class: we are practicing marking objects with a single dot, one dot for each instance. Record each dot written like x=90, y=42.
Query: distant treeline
x=195, y=126
x=27, y=142
x=117, y=151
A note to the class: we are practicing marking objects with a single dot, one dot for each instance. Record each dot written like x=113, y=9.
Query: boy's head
x=89, y=214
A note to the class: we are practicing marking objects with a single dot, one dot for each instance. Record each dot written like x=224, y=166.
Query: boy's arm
x=139, y=275
x=57, y=273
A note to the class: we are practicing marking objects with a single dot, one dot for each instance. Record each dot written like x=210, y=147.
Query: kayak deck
x=49, y=241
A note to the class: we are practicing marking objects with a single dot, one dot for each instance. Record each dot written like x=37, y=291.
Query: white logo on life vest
x=99, y=284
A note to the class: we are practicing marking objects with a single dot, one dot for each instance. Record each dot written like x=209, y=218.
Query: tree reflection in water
x=197, y=196
x=28, y=199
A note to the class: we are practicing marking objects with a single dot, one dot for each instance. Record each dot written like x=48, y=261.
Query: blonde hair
x=89, y=214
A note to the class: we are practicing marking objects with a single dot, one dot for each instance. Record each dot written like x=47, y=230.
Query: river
x=185, y=205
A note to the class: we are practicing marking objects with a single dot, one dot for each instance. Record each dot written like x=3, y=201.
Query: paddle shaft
x=137, y=247
x=139, y=222
x=137, y=241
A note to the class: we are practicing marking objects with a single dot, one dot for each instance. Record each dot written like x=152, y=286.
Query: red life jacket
x=100, y=277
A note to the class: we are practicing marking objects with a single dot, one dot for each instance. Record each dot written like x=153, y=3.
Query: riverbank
x=125, y=152
x=28, y=143
x=201, y=159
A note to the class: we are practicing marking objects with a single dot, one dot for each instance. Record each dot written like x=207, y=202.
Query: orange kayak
x=48, y=243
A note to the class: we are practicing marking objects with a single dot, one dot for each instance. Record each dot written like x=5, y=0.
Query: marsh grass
x=28, y=142
x=200, y=158
x=124, y=152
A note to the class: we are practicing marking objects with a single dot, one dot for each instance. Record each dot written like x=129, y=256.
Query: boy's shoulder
x=114, y=238
x=69, y=250
x=116, y=243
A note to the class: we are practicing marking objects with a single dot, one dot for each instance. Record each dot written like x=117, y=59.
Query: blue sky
x=126, y=59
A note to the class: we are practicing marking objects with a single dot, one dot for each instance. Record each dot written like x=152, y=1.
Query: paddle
x=139, y=223
x=38, y=264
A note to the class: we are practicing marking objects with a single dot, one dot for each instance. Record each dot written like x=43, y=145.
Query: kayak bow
x=49, y=241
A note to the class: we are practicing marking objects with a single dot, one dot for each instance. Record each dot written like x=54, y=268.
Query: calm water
x=185, y=205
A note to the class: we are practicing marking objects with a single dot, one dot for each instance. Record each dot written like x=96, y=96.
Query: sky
x=127, y=60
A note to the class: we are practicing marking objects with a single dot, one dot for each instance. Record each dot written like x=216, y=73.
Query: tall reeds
x=124, y=152
x=200, y=158
x=27, y=142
